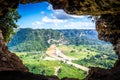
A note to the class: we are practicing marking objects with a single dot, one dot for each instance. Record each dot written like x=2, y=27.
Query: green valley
x=47, y=67
x=87, y=56
x=80, y=47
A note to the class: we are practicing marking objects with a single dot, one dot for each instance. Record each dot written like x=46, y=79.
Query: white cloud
x=61, y=14
x=47, y=22
x=36, y=24
x=52, y=20
x=59, y=24
x=59, y=19
x=80, y=25
x=53, y=16
x=76, y=16
x=56, y=19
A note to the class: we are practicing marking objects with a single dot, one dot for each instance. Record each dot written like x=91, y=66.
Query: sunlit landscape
x=52, y=42
x=64, y=53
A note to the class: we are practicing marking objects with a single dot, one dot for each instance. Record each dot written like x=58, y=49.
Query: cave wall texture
x=107, y=25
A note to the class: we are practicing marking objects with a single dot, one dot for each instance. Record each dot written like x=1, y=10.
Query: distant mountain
x=40, y=39
x=81, y=36
x=32, y=39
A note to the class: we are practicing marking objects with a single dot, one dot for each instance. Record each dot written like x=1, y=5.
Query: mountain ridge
x=27, y=39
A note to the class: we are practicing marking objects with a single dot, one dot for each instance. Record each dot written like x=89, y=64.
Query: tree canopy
x=8, y=24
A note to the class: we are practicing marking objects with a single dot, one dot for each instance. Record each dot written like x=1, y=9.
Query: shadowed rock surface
x=87, y=7
x=108, y=27
x=103, y=74
x=8, y=60
x=79, y=7
x=20, y=75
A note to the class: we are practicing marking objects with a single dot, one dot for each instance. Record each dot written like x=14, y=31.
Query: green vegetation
x=81, y=37
x=47, y=67
x=30, y=45
x=88, y=56
x=91, y=55
x=8, y=24
x=27, y=40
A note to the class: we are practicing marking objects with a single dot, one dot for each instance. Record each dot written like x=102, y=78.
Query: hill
x=82, y=36
x=27, y=40
x=32, y=40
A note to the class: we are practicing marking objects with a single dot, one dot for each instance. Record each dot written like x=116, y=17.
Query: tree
x=8, y=24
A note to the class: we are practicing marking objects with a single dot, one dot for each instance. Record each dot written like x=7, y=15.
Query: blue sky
x=43, y=16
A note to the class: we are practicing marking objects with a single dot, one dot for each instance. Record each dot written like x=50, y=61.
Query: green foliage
x=71, y=72
x=88, y=55
x=81, y=36
x=47, y=67
x=91, y=55
x=83, y=44
x=27, y=40
x=8, y=24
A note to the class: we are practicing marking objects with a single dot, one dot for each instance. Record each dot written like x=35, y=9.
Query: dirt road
x=54, y=52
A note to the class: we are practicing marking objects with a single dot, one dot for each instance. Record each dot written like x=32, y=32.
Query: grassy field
x=88, y=55
x=47, y=67
x=91, y=55
x=80, y=52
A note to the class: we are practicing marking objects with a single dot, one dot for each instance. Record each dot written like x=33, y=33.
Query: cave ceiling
x=78, y=7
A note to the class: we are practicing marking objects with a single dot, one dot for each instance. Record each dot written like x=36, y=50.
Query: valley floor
x=64, y=61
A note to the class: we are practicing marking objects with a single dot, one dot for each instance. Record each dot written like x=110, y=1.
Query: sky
x=43, y=16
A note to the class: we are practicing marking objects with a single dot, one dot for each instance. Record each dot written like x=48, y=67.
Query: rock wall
x=87, y=7
x=8, y=60
x=108, y=27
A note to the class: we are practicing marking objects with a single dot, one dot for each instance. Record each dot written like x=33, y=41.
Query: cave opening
x=107, y=27
x=44, y=32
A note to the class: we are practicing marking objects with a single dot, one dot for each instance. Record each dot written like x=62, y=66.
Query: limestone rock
x=103, y=74
x=108, y=27
x=79, y=7
x=8, y=60
x=87, y=7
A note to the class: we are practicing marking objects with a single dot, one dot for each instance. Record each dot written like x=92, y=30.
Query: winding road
x=54, y=52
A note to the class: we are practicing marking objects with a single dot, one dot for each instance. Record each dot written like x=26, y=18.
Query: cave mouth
x=95, y=53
